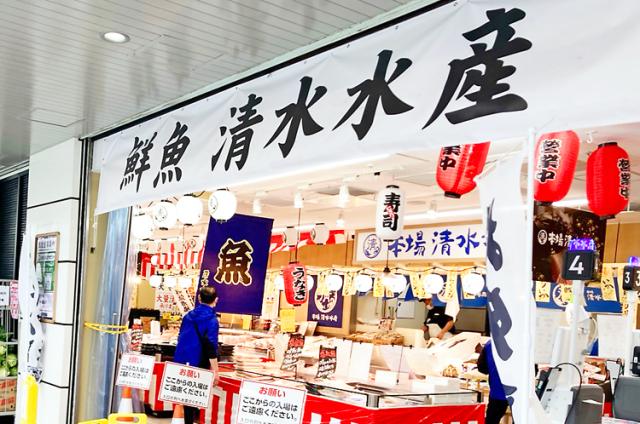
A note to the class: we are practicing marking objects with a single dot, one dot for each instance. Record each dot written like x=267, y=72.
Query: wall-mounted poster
x=46, y=264
x=553, y=229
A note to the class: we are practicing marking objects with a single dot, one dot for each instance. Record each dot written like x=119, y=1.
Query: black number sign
x=579, y=265
x=631, y=278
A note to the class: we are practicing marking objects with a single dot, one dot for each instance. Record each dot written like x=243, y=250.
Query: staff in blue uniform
x=497, y=406
x=198, y=340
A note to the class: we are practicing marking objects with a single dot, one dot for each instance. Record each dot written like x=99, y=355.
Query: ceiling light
x=298, y=201
x=446, y=214
x=257, y=206
x=115, y=37
x=343, y=196
x=340, y=221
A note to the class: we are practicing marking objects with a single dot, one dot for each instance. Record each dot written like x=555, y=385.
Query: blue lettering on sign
x=372, y=246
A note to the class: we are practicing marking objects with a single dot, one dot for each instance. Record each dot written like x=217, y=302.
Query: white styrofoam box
x=386, y=378
x=58, y=217
x=57, y=353
x=64, y=293
x=52, y=404
x=54, y=173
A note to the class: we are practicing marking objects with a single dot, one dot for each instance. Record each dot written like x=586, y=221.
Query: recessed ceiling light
x=115, y=37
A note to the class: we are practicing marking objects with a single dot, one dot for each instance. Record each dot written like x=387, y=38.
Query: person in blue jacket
x=497, y=406
x=198, y=340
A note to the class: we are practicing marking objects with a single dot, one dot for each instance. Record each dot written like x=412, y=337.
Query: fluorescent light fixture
x=340, y=221
x=343, y=196
x=571, y=203
x=257, y=206
x=298, y=201
x=305, y=227
x=115, y=37
x=444, y=214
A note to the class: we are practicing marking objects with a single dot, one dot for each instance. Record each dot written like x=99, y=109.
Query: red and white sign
x=186, y=385
x=262, y=403
x=135, y=371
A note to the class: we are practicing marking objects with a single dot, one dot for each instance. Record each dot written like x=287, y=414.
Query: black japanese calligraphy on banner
x=463, y=72
x=508, y=282
x=326, y=309
x=553, y=228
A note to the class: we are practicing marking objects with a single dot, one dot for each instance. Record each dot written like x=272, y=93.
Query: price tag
x=186, y=385
x=579, y=265
x=288, y=320
x=246, y=322
x=135, y=371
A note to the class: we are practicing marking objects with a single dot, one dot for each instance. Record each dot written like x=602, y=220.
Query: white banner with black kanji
x=465, y=72
x=509, y=287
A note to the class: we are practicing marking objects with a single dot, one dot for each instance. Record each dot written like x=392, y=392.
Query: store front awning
x=466, y=72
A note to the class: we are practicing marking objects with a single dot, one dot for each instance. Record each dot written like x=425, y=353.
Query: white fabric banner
x=468, y=71
x=508, y=291
x=424, y=244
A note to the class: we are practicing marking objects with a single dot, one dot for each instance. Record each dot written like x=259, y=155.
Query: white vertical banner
x=508, y=291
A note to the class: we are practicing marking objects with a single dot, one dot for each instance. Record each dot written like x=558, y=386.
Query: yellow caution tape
x=107, y=328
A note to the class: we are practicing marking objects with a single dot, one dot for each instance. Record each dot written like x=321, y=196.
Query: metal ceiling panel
x=52, y=56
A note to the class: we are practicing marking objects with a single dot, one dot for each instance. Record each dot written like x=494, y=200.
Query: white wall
x=53, y=206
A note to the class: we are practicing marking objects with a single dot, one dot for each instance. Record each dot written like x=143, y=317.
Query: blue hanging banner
x=235, y=261
x=325, y=309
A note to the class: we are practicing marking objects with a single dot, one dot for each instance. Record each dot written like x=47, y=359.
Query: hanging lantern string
x=407, y=270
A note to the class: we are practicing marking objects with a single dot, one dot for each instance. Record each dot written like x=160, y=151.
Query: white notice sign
x=186, y=385
x=262, y=403
x=4, y=296
x=135, y=371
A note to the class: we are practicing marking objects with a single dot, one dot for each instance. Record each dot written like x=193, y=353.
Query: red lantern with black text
x=608, y=180
x=458, y=166
x=556, y=158
x=295, y=283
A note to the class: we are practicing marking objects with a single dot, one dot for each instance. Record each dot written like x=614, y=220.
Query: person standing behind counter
x=436, y=315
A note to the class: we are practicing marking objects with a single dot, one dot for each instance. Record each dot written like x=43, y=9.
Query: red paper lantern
x=458, y=166
x=608, y=180
x=556, y=158
x=295, y=283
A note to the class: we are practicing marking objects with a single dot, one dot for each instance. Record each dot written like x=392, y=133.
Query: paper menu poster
x=343, y=356
x=293, y=352
x=392, y=356
x=360, y=361
x=611, y=336
x=327, y=361
x=547, y=322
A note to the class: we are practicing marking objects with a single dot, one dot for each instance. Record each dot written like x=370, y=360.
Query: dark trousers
x=190, y=414
x=495, y=411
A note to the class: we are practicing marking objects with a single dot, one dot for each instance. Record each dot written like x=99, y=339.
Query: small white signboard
x=262, y=403
x=424, y=244
x=135, y=371
x=186, y=385
x=4, y=296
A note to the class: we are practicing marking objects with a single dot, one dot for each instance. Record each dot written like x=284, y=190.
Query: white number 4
x=577, y=266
